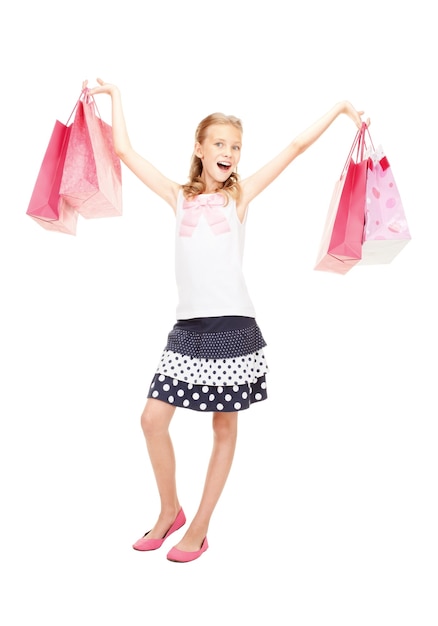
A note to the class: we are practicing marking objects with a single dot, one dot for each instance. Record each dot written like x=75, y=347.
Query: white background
x=329, y=515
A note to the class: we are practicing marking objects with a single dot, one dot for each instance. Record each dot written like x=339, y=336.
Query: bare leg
x=224, y=445
x=155, y=422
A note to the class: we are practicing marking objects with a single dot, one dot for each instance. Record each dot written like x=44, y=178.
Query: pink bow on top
x=208, y=205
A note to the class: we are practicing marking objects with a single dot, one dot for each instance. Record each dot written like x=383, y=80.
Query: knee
x=225, y=426
x=147, y=422
x=155, y=418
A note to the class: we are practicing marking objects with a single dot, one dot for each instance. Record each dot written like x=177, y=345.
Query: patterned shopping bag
x=386, y=229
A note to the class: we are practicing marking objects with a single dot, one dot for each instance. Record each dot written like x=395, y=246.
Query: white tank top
x=209, y=244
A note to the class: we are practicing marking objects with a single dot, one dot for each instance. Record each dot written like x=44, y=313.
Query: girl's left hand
x=355, y=115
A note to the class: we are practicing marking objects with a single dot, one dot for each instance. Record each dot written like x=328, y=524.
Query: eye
x=236, y=148
x=219, y=144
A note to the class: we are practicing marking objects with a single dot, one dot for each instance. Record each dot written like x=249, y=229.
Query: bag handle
x=75, y=107
x=359, y=144
x=85, y=97
x=368, y=132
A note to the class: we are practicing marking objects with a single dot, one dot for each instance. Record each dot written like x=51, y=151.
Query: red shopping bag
x=46, y=206
x=92, y=177
x=341, y=242
x=386, y=230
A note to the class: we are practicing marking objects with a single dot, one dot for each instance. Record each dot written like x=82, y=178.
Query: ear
x=198, y=150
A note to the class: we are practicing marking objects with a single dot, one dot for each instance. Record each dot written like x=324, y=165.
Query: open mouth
x=224, y=166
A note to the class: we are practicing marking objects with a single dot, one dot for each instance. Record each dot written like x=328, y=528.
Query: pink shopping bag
x=341, y=242
x=92, y=177
x=46, y=205
x=386, y=229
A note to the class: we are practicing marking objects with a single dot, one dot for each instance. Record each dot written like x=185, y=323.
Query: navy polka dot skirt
x=212, y=364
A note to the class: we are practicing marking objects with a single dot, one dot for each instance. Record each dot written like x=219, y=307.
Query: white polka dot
x=205, y=389
x=202, y=406
x=228, y=397
x=171, y=399
x=220, y=389
x=155, y=394
x=161, y=378
x=180, y=392
x=263, y=385
x=186, y=403
x=175, y=382
x=244, y=395
x=195, y=396
x=166, y=387
x=235, y=388
x=211, y=397
x=219, y=406
x=237, y=406
x=258, y=396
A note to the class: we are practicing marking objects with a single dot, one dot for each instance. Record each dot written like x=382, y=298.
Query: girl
x=213, y=360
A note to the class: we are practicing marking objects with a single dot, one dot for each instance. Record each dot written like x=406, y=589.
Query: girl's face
x=219, y=153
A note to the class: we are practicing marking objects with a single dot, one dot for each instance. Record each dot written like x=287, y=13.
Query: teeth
x=224, y=164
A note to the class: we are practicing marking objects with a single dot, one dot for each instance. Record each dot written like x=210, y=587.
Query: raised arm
x=258, y=181
x=143, y=169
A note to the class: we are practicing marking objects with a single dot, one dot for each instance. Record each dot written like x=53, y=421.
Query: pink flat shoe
x=152, y=544
x=180, y=556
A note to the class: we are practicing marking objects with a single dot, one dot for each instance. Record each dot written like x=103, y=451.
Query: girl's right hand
x=103, y=87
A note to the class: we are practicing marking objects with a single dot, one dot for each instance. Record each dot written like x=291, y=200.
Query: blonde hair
x=195, y=184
